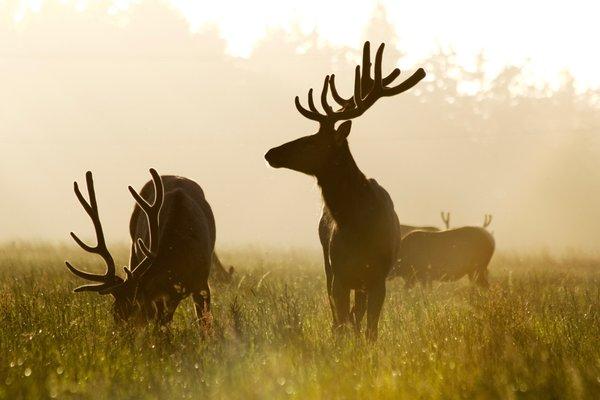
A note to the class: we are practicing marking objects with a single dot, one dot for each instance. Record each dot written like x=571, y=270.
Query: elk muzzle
x=274, y=158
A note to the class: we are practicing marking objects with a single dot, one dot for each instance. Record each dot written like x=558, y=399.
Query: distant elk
x=359, y=227
x=180, y=229
x=406, y=229
x=446, y=256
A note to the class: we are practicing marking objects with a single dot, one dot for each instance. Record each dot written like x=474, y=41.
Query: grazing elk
x=359, y=227
x=446, y=255
x=180, y=229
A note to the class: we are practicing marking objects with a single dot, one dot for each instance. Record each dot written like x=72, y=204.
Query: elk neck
x=345, y=188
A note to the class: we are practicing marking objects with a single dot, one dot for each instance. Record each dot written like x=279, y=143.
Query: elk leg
x=481, y=278
x=202, y=306
x=341, y=298
x=329, y=276
x=359, y=308
x=375, y=298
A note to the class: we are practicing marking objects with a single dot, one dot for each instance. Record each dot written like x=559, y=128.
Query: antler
x=152, y=212
x=109, y=279
x=367, y=90
x=487, y=220
x=446, y=219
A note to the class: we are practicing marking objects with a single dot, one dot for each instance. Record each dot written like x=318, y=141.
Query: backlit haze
x=507, y=121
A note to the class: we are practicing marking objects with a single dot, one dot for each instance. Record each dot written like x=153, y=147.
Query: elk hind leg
x=329, y=276
x=359, y=308
x=375, y=299
x=341, y=298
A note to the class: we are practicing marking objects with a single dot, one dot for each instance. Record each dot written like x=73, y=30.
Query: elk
x=359, y=228
x=446, y=256
x=172, y=250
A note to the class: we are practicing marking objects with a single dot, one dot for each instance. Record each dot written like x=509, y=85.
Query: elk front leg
x=329, y=277
x=341, y=298
x=359, y=308
x=202, y=306
x=375, y=299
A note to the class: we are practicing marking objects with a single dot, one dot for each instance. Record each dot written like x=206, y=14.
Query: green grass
x=534, y=334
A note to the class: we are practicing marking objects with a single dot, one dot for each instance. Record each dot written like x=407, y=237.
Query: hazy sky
x=204, y=89
x=550, y=36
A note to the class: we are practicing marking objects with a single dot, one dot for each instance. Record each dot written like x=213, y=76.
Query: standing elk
x=180, y=228
x=445, y=256
x=359, y=227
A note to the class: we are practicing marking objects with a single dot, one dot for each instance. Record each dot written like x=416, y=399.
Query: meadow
x=535, y=334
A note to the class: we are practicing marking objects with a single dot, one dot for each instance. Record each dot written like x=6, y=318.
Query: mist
x=81, y=92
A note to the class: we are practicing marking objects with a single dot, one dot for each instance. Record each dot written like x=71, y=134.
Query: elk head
x=128, y=302
x=446, y=219
x=314, y=153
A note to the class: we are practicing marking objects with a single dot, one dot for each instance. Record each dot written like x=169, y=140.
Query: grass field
x=534, y=334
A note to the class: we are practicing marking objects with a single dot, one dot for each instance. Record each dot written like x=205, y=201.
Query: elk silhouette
x=359, y=227
x=446, y=255
x=180, y=229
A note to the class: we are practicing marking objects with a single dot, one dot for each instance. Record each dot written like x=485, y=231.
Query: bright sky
x=552, y=35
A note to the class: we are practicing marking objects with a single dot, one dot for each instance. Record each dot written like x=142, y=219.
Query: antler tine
x=315, y=116
x=91, y=208
x=366, y=67
x=311, y=102
x=407, y=84
x=324, y=103
x=446, y=218
x=391, y=77
x=378, y=80
x=487, y=220
x=335, y=94
x=152, y=215
x=357, y=88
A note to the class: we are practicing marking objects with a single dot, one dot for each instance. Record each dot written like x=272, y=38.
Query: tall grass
x=534, y=334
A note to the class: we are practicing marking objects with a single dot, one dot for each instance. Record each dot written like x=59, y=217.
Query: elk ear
x=343, y=130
